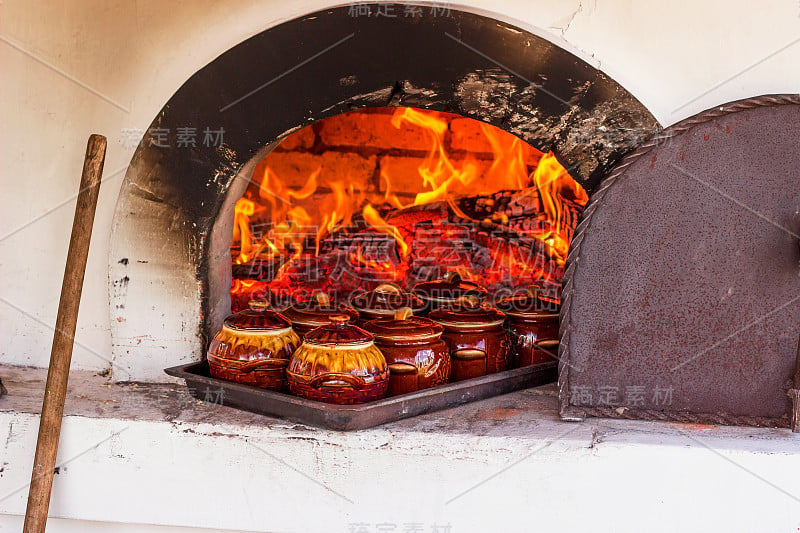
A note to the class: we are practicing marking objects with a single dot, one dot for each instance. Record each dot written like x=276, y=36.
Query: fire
x=243, y=285
x=440, y=174
x=358, y=257
x=374, y=219
x=554, y=184
x=244, y=290
x=301, y=226
x=243, y=210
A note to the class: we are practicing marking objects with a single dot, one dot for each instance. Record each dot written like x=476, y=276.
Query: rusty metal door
x=681, y=297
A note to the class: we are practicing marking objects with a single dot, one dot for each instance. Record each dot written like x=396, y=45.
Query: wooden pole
x=794, y=394
x=61, y=354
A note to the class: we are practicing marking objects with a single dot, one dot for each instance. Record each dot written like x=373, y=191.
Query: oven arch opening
x=165, y=293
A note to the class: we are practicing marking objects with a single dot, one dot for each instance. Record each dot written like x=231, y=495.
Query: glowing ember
x=503, y=216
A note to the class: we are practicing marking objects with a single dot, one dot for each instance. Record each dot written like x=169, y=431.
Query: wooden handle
x=61, y=353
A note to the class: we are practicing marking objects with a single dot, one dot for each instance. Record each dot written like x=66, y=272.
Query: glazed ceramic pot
x=418, y=358
x=316, y=312
x=338, y=363
x=253, y=347
x=532, y=326
x=445, y=291
x=474, y=333
x=383, y=301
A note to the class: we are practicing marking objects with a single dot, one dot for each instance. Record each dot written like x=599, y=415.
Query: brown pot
x=532, y=325
x=443, y=292
x=383, y=301
x=476, y=338
x=418, y=358
x=338, y=363
x=316, y=312
x=253, y=347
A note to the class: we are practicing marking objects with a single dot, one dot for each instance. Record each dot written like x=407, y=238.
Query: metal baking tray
x=353, y=417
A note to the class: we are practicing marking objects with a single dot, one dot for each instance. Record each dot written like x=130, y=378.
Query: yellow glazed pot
x=338, y=363
x=253, y=347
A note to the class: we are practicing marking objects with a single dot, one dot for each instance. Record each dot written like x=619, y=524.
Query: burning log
x=520, y=211
x=499, y=239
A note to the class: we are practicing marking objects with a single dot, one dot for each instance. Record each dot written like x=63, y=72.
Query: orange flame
x=438, y=171
x=358, y=257
x=300, y=217
x=374, y=219
x=554, y=183
x=243, y=210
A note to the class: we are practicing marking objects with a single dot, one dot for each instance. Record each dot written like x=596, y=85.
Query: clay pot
x=253, y=347
x=476, y=338
x=383, y=301
x=338, y=363
x=443, y=292
x=316, y=312
x=418, y=358
x=532, y=326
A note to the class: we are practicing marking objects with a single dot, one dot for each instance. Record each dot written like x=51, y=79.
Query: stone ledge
x=143, y=453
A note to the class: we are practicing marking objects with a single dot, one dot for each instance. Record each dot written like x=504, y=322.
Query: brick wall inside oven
x=360, y=146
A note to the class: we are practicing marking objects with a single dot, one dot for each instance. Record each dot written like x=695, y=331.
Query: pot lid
x=450, y=287
x=402, y=326
x=317, y=311
x=257, y=318
x=385, y=299
x=468, y=311
x=338, y=332
x=529, y=304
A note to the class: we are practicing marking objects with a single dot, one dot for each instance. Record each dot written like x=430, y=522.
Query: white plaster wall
x=544, y=476
x=68, y=69
x=151, y=454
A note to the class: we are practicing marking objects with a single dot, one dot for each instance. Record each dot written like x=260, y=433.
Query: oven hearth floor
x=151, y=454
